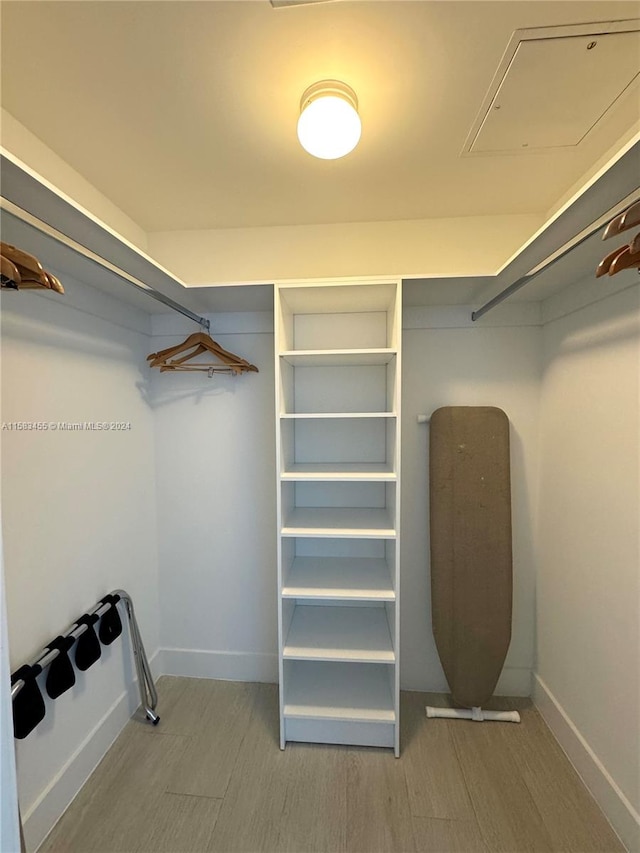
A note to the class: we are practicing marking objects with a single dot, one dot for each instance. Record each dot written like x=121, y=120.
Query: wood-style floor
x=211, y=777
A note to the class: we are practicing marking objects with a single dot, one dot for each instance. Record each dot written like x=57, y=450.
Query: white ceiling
x=184, y=113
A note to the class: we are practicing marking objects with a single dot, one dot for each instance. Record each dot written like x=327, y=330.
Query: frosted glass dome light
x=329, y=125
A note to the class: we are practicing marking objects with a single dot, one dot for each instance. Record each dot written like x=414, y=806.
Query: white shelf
x=339, y=522
x=334, y=415
x=326, y=471
x=337, y=357
x=335, y=691
x=338, y=389
x=344, y=578
x=358, y=634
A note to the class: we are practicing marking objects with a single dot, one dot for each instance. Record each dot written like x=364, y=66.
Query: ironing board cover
x=471, y=567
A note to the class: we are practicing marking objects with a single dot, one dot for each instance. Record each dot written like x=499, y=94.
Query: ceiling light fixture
x=329, y=125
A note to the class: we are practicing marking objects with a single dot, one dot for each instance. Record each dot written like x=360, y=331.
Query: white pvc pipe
x=476, y=714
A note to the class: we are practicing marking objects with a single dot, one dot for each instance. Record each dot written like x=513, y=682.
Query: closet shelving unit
x=338, y=512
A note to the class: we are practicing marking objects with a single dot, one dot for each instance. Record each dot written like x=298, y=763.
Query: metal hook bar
x=146, y=685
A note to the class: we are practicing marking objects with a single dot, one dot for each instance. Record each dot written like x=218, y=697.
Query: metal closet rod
x=50, y=231
x=554, y=257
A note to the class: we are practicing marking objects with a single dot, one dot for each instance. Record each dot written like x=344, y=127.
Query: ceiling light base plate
x=329, y=87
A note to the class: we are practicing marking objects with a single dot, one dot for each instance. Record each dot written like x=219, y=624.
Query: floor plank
x=106, y=814
x=435, y=781
x=378, y=813
x=571, y=816
x=249, y=820
x=458, y=787
x=182, y=702
x=314, y=817
x=448, y=836
x=507, y=815
x=176, y=824
x=170, y=688
x=210, y=756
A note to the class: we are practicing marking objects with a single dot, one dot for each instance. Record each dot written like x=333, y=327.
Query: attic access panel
x=554, y=86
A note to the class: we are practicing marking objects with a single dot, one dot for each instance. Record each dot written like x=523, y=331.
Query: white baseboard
x=226, y=666
x=623, y=817
x=40, y=819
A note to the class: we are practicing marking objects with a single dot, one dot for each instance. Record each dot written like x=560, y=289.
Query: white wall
x=216, y=488
x=215, y=458
x=9, y=819
x=416, y=248
x=78, y=516
x=450, y=361
x=588, y=590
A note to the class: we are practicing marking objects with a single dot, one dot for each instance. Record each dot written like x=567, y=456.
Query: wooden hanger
x=631, y=216
x=30, y=268
x=634, y=245
x=210, y=369
x=625, y=220
x=197, y=344
x=218, y=367
x=626, y=259
x=10, y=277
x=613, y=227
x=161, y=355
x=605, y=263
x=203, y=340
x=55, y=283
x=34, y=284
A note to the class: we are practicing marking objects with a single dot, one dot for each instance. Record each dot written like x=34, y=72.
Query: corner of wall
x=623, y=817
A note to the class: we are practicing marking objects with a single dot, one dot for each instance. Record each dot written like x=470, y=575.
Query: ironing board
x=471, y=570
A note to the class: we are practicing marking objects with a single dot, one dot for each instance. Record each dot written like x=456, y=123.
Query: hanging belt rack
x=74, y=245
x=146, y=685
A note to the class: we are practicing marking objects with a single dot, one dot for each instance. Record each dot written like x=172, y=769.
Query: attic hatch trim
x=596, y=28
